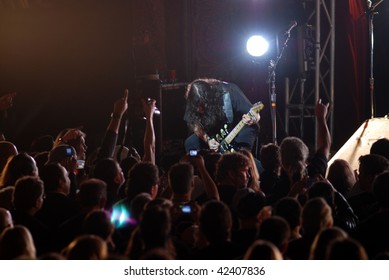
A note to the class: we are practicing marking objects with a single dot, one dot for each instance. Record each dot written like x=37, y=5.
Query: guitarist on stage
x=210, y=105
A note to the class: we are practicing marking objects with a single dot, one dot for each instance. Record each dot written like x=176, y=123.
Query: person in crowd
x=263, y=250
x=86, y=247
x=5, y=219
x=98, y=222
x=210, y=104
x=18, y=166
x=17, y=243
x=181, y=182
x=111, y=173
x=365, y=203
x=6, y=197
x=276, y=230
x=215, y=226
x=66, y=156
x=155, y=229
x=290, y=209
x=342, y=176
x=322, y=241
x=294, y=158
x=7, y=151
x=232, y=174
x=373, y=232
x=380, y=147
x=74, y=137
x=27, y=200
x=255, y=165
x=343, y=214
x=143, y=177
x=316, y=216
x=57, y=206
x=346, y=249
x=91, y=196
x=248, y=206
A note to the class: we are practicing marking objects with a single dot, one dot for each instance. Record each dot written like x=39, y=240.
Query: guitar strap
x=227, y=104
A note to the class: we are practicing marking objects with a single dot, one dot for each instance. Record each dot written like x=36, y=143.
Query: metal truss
x=316, y=47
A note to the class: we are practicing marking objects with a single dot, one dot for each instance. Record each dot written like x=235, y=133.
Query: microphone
x=292, y=25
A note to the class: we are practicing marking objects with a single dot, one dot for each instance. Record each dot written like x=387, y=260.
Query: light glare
x=257, y=46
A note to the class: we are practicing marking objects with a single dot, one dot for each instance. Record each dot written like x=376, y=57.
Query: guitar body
x=226, y=147
x=225, y=137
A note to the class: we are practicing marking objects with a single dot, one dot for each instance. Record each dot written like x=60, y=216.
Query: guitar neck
x=234, y=132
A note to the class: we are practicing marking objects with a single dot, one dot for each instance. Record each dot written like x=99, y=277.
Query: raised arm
x=119, y=108
x=324, y=137
x=110, y=138
x=149, y=137
x=209, y=185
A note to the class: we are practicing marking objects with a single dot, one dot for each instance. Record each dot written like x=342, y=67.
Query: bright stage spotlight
x=257, y=46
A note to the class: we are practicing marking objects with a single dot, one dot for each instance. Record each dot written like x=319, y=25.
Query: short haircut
x=106, y=170
x=92, y=191
x=380, y=147
x=142, y=176
x=216, y=221
x=27, y=190
x=324, y=190
x=249, y=204
x=276, y=230
x=51, y=174
x=373, y=164
x=181, y=177
x=290, y=209
x=270, y=156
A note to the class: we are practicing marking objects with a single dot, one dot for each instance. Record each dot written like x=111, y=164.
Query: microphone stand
x=272, y=87
x=371, y=12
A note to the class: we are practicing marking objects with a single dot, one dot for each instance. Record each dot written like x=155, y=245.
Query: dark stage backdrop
x=69, y=60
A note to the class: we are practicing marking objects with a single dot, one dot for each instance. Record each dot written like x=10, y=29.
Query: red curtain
x=352, y=67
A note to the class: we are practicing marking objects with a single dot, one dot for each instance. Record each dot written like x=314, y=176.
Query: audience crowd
x=59, y=200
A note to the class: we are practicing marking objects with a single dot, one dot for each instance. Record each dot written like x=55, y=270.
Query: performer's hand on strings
x=250, y=119
x=213, y=145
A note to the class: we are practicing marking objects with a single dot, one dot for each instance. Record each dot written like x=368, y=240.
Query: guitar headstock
x=257, y=107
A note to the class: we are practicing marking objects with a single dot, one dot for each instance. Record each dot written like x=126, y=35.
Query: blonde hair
x=262, y=250
x=17, y=243
x=87, y=247
x=316, y=215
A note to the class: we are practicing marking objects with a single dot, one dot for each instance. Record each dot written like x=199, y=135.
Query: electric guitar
x=225, y=138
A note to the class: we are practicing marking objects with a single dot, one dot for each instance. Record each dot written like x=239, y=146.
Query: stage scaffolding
x=316, y=39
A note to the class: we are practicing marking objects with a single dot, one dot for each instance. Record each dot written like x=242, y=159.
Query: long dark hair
x=206, y=92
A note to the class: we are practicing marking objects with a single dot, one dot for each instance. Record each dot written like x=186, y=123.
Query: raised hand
x=148, y=107
x=321, y=110
x=121, y=105
x=6, y=101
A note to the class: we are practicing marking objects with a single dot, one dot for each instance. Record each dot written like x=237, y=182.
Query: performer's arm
x=200, y=132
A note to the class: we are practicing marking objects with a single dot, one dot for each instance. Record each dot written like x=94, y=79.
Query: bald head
x=5, y=219
x=7, y=150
